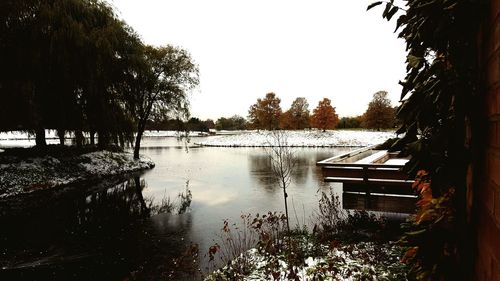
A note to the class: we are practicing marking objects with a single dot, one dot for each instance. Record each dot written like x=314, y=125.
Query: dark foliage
x=235, y=122
x=439, y=100
x=73, y=66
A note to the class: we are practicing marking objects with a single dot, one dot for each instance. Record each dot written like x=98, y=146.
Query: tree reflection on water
x=105, y=235
x=260, y=167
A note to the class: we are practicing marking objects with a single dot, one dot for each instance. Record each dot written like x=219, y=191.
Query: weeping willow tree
x=62, y=62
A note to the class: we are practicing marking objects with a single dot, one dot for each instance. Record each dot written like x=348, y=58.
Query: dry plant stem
x=282, y=163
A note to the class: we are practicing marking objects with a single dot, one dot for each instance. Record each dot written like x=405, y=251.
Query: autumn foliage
x=324, y=116
x=433, y=225
x=297, y=117
x=265, y=113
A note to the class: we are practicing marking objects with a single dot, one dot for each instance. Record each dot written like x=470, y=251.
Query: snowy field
x=24, y=139
x=51, y=134
x=312, y=138
x=333, y=138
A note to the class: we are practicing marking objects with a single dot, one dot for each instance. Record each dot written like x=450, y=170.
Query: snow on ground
x=19, y=176
x=52, y=134
x=22, y=135
x=358, y=261
x=314, y=138
x=174, y=134
x=24, y=139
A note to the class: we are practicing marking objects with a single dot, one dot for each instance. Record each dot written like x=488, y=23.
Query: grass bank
x=26, y=170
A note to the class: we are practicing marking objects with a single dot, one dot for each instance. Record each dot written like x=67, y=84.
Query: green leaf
x=386, y=10
x=414, y=61
x=392, y=12
x=405, y=89
x=374, y=4
x=400, y=21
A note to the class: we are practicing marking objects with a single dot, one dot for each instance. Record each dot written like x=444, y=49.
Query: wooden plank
x=394, y=204
x=390, y=182
x=343, y=156
x=358, y=165
x=387, y=182
x=389, y=173
x=362, y=172
x=372, y=158
x=374, y=188
x=344, y=172
x=344, y=180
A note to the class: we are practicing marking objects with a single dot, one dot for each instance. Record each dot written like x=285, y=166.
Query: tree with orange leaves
x=297, y=117
x=324, y=116
x=265, y=113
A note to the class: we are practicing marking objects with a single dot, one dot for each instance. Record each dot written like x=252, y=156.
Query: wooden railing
x=367, y=181
x=376, y=178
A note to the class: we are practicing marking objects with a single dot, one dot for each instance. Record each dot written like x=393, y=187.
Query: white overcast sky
x=245, y=49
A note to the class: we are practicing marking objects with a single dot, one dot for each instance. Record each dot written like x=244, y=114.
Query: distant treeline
x=267, y=114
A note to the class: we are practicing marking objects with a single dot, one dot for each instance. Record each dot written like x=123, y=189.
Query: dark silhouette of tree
x=195, y=124
x=209, y=123
x=324, y=116
x=350, y=122
x=224, y=123
x=238, y=122
x=265, y=113
x=162, y=85
x=61, y=63
x=380, y=113
x=297, y=117
x=444, y=125
x=235, y=122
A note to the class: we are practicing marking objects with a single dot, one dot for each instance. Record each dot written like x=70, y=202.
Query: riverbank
x=23, y=171
x=341, y=246
x=309, y=138
x=318, y=261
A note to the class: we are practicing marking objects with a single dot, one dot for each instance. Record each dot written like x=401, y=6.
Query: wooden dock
x=371, y=176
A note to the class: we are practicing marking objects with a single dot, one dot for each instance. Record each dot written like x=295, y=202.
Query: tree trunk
x=103, y=139
x=60, y=135
x=138, y=137
x=138, y=190
x=79, y=138
x=40, y=137
x=92, y=137
x=285, y=195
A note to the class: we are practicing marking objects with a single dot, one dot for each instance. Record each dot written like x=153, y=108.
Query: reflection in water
x=106, y=235
x=126, y=230
x=180, y=205
x=302, y=169
x=260, y=168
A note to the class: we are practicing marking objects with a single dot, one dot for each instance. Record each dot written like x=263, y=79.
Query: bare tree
x=282, y=163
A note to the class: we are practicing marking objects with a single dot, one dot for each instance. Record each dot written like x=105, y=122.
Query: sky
x=294, y=48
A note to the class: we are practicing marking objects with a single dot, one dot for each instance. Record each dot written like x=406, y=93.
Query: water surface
x=114, y=233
